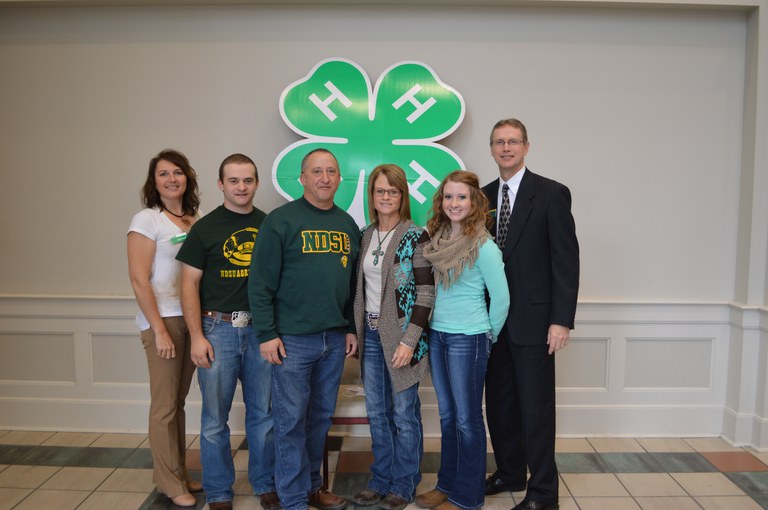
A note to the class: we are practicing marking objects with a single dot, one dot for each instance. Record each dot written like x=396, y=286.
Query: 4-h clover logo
x=398, y=121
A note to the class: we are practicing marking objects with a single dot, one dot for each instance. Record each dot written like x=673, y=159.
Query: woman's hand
x=164, y=345
x=402, y=356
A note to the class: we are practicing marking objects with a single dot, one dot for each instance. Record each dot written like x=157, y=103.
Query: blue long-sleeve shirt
x=462, y=308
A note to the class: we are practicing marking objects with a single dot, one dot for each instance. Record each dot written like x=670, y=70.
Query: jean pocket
x=208, y=325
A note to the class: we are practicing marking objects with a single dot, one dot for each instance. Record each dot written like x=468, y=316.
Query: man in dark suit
x=536, y=233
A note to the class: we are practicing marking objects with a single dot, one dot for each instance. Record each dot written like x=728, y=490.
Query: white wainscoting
x=632, y=369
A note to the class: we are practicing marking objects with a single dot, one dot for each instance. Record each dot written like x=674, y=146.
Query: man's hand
x=351, y=340
x=557, y=338
x=273, y=351
x=202, y=352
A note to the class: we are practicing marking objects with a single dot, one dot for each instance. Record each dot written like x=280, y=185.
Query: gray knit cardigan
x=407, y=297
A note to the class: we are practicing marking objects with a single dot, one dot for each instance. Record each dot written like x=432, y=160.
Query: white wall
x=650, y=116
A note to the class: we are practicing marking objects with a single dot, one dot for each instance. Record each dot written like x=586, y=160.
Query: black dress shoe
x=495, y=485
x=529, y=504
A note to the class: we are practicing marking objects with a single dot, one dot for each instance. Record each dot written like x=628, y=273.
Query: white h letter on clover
x=424, y=175
x=335, y=94
x=410, y=96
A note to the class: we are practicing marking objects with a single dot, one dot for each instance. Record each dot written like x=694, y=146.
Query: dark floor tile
x=334, y=443
x=753, y=483
x=242, y=446
x=349, y=484
x=354, y=462
x=631, y=462
x=580, y=463
x=12, y=453
x=140, y=458
x=430, y=462
x=100, y=457
x=53, y=455
x=683, y=462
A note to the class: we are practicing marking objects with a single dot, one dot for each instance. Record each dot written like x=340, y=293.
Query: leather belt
x=226, y=317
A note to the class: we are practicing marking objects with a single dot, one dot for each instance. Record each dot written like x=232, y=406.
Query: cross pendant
x=376, y=254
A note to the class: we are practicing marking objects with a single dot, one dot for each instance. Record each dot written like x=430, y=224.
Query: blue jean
x=236, y=356
x=305, y=387
x=396, y=430
x=458, y=364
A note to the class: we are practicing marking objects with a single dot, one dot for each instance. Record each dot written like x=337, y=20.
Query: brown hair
x=313, y=151
x=237, y=158
x=396, y=177
x=478, y=217
x=149, y=194
x=510, y=122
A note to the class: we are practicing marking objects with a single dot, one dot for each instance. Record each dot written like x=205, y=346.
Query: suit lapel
x=520, y=211
x=492, y=192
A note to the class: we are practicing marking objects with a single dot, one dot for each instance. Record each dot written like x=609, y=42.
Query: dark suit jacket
x=541, y=258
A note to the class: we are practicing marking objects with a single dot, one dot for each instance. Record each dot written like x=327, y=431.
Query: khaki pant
x=169, y=381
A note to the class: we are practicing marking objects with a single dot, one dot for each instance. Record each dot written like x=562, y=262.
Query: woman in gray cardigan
x=394, y=298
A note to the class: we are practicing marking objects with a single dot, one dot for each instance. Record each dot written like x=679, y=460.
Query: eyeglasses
x=392, y=192
x=511, y=142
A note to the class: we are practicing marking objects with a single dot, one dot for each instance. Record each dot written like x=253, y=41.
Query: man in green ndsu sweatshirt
x=300, y=292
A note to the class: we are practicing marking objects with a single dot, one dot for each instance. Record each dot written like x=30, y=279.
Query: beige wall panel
x=583, y=365
x=668, y=363
x=118, y=359
x=44, y=357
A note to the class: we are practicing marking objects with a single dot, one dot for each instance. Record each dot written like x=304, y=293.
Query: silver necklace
x=378, y=251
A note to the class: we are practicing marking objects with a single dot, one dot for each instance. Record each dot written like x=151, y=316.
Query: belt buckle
x=240, y=319
x=373, y=321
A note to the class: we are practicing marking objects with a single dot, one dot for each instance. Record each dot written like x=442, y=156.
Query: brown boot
x=326, y=500
x=431, y=499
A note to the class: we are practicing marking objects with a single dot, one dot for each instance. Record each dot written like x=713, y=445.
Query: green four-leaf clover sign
x=397, y=122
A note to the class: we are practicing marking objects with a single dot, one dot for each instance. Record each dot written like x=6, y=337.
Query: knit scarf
x=449, y=257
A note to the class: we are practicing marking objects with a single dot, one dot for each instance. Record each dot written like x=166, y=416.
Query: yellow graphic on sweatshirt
x=324, y=241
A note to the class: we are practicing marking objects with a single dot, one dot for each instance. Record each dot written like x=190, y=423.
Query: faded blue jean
x=458, y=364
x=396, y=430
x=236, y=357
x=305, y=388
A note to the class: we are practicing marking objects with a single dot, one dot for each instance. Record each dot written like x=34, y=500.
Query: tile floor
x=73, y=470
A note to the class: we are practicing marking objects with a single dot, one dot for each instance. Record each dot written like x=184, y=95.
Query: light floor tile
x=664, y=444
x=356, y=444
x=593, y=485
x=707, y=484
x=3, y=432
x=711, y=444
x=573, y=445
x=763, y=456
x=72, y=439
x=25, y=437
x=26, y=477
x=52, y=500
x=246, y=503
x=663, y=503
x=567, y=504
x=241, y=460
x=10, y=497
x=129, y=480
x=119, y=440
x=242, y=486
x=3, y=466
x=728, y=503
x=77, y=478
x=651, y=484
x=607, y=504
x=113, y=501
x=498, y=503
x=617, y=444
